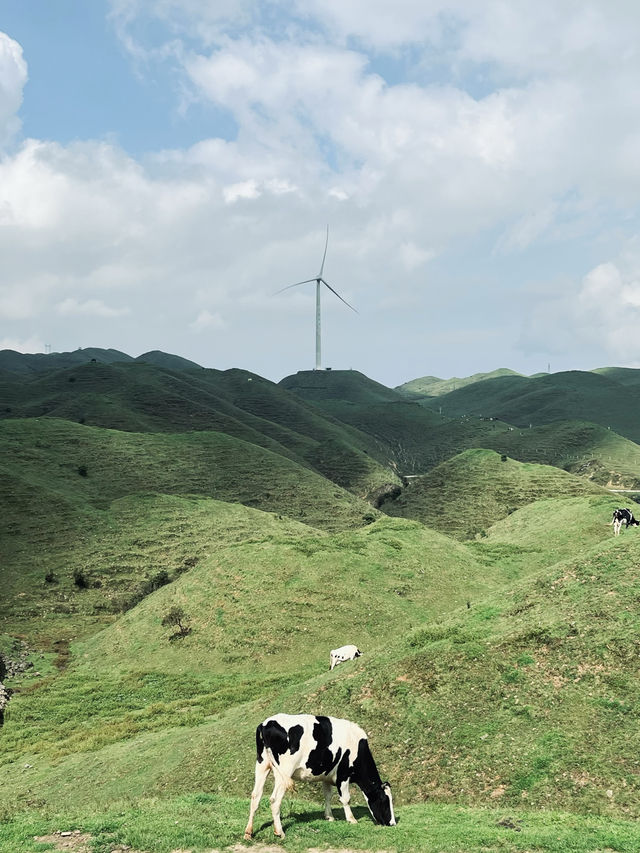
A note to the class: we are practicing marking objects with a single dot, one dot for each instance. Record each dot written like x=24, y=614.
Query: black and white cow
x=620, y=517
x=302, y=747
x=342, y=654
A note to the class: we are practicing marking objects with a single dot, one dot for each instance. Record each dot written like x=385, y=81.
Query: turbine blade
x=338, y=295
x=325, y=254
x=306, y=281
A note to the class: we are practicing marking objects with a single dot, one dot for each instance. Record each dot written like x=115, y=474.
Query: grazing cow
x=342, y=654
x=302, y=747
x=620, y=517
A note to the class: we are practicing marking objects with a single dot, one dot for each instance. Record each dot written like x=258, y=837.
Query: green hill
x=351, y=385
x=467, y=494
x=497, y=614
x=28, y=363
x=589, y=450
x=526, y=695
x=432, y=386
x=61, y=479
x=573, y=395
x=142, y=397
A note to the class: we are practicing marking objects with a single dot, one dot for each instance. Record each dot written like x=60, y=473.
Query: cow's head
x=380, y=804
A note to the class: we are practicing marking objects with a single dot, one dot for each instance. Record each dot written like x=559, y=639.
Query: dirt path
x=78, y=842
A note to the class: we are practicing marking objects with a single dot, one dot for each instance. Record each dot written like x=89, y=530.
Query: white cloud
x=514, y=129
x=244, y=189
x=88, y=308
x=13, y=77
x=206, y=320
x=31, y=345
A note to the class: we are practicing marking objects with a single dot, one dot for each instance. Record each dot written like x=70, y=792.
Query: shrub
x=82, y=470
x=50, y=577
x=80, y=579
x=177, y=618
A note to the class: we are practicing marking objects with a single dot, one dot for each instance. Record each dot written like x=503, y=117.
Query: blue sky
x=167, y=166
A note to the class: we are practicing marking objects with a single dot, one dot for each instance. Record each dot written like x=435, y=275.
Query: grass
x=200, y=822
x=573, y=395
x=467, y=494
x=499, y=676
x=149, y=397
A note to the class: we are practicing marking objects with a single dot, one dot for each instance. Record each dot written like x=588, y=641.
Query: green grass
x=498, y=682
x=432, y=386
x=526, y=697
x=573, y=395
x=149, y=397
x=200, y=822
x=467, y=494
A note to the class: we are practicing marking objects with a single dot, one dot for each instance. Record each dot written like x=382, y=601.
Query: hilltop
x=432, y=386
x=595, y=396
x=465, y=495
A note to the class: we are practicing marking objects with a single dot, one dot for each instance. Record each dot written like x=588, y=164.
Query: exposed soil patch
x=72, y=841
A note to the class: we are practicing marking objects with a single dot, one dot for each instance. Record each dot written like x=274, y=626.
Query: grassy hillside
x=432, y=386
x=527, y=696
x=573, y=395
x=61, y=506
x=30, y=363
x=588, y=450
x=351, y=385
x=467, y=494
x=144, y=397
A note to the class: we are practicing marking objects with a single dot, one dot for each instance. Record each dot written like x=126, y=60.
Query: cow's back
x=309, y=747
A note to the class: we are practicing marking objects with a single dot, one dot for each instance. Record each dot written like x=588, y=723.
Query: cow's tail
x=260, y=747
x=279, y=776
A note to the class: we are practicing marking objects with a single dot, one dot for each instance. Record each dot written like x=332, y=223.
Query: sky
x=167, y=166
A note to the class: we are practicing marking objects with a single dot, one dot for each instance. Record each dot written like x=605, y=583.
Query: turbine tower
x=319, y=280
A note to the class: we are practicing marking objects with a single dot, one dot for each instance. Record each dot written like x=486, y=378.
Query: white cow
x=342, y=654
x=306, y=748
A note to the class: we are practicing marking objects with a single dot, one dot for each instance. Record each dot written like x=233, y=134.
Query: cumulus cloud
x=600, y=314
x=512, y=130
x=13, y=77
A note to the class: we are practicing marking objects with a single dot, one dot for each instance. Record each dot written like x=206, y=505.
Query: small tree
x=177, y=618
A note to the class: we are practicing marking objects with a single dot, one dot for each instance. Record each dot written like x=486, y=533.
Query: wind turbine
x=319, y=280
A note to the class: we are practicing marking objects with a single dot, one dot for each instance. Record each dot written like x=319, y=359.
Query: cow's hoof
x=247, y=836
x=329, y=817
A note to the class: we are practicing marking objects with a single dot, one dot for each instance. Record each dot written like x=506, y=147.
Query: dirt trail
x=78, y=842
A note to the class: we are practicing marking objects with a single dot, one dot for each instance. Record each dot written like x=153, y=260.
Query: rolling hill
x=144, y=397
x=497, y=614
x=593, y=396
x=472, y=491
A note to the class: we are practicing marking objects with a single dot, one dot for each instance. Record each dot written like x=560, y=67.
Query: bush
x=82, y=470
x=80, y=579
x=177, y=618
x=50, y=577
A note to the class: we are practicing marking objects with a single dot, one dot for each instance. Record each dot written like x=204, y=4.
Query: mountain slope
x=467, y=494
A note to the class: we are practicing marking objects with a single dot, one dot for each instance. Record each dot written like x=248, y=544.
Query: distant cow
x=620, y=517
x=302, y=747
x=342, y=654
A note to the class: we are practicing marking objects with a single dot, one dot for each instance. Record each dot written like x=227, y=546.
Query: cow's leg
x=326, y=787
x=262, y=771
x=332, y=662
x=345, y=797
x=279, y=790
x=616, y=527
